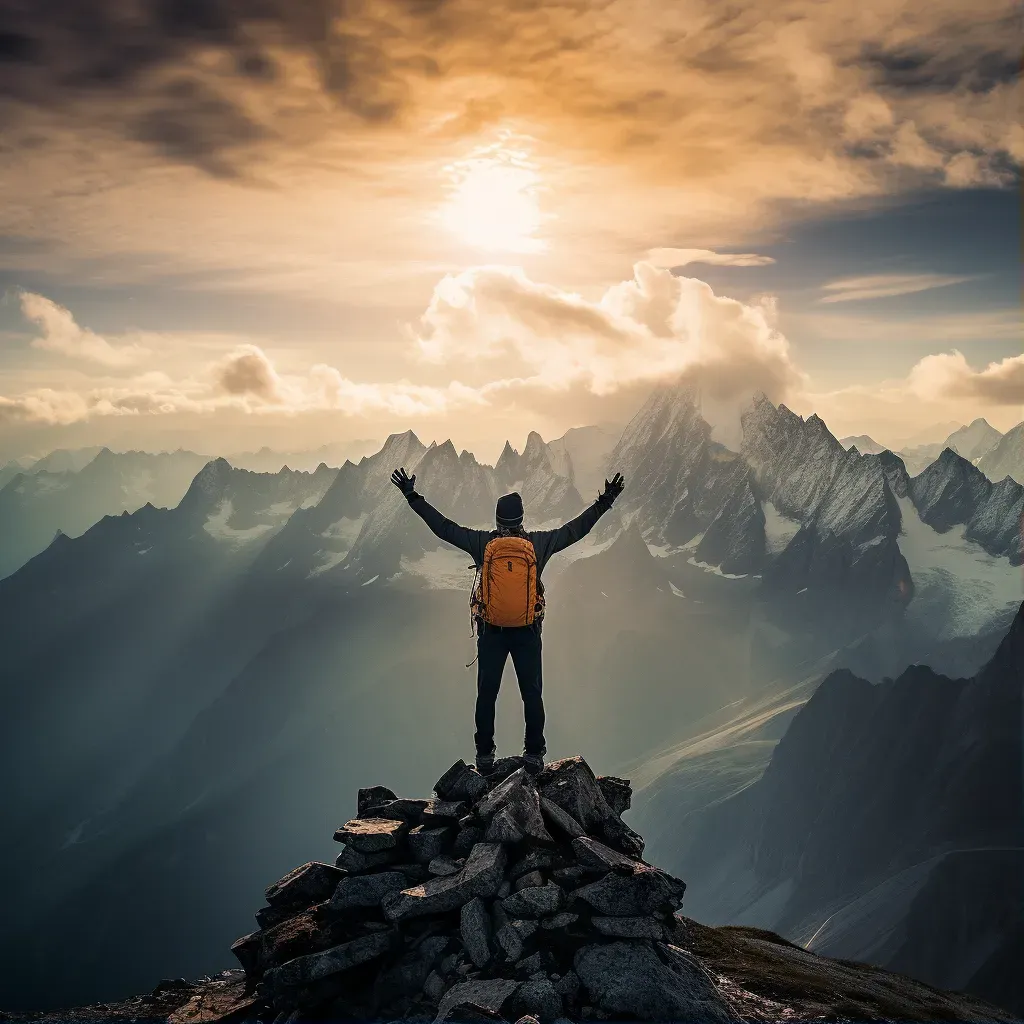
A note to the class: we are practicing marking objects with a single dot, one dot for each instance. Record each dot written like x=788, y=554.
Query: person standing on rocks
x=508, y=602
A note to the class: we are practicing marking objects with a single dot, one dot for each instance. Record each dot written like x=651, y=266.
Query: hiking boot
x=534, y=763
x=485, y=763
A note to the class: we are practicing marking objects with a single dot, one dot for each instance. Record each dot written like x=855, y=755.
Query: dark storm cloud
x=915, y=67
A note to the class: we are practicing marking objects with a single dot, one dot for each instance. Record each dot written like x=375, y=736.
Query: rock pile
x=498, y=898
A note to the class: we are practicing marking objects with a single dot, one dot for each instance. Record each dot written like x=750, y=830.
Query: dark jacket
x=545, y=542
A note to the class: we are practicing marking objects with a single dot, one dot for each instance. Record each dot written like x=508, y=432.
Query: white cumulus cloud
x=651, y=328
x=949, y=375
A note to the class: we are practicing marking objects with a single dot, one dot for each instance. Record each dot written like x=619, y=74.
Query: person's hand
x=405, y=483
x=612, y=489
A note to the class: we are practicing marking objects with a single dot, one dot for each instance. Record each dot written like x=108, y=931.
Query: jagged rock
x=621, y=837
x=503, y=768
x=409, y=975
x=516, y=799
x=366, y=890
x=246, y=950
x=617, y=793
x=535, y=860
x=630, y=927
x=568, y=987
x=356, y=863
x=503, y=890
x=466, y=839
x=528, y=881
x=305, y=885
x=301, y=934
x=563, y=822
x=475, y=929
x=461, y=782
x=372, y=796
x=433, y=987
x=400, y=809
x=371, y=835
x=304, y=970
x=570, y=877
x=528, y=1019
x=503, y=828
x=414, y=872
x=490, y=995
x=571, y=785
x=444, y=865
x=509, y=943
x=443, y=812
x=562, y=919
x=537, y=997
x=426, y=843
x=640, y=894
x=536, y=901
x=628, y=978
x=267, y=917
x=592, y=854
x=481, y=876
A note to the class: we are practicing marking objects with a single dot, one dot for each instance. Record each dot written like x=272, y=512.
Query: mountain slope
x=888, y=826
x=1006, y=458
x=36, y=504
x=974, y=440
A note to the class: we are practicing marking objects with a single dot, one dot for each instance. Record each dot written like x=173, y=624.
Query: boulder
x=401, y=809
x=629, y=979
x=461, y=782
x=571, y=785
x=370, y=796
x=537, y=998
x=490, y=995
x=536, y=860
x=592, y=854
x=305, y=885
x=372, y=835
x=246, y=950
x=305, y=970
x=426, y=843
x=304, y=933
x=443, y=812
x=536, y=901
x=409, y=974
x=644, y=892
x=366, y=890
x=517, y=799
x=630, y=927
x=527, y=881
x=475, y=930
x=563, y=822
x=562, y=919
x=443, y=864
x=618, y=793
x=356, y=863
x=503, y=828
x=481, y=876
x=467, y=838
x=620, y=836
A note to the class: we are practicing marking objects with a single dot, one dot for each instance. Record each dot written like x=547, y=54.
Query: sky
x=227, y=224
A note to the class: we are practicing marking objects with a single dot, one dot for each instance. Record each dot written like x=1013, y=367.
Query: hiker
x=508, y=602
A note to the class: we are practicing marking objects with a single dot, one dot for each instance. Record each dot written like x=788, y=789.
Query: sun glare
x=493, y=199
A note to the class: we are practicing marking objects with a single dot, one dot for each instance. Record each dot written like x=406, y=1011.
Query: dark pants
x=494, y=644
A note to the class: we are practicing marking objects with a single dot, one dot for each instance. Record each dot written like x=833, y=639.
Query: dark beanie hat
x=509, y=510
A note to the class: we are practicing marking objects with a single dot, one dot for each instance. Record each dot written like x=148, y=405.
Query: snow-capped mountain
x=35, y=505
x=1006, y=457
x=973, y=441
x=269, y=460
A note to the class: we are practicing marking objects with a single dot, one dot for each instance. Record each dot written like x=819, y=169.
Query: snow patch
x=441, y=569
x=372, y=579
x=959, y=588
x=779, y=530
x=217, y=527
x=676, y=590
x=716, y=569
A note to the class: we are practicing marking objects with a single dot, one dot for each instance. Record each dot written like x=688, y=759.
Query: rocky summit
x=512, y=898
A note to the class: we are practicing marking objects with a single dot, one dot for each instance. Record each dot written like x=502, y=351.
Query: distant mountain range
x=974, y=442
x=174, y=677
x=888, y=827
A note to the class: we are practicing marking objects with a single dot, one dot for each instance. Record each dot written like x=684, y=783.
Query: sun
x=493, y=198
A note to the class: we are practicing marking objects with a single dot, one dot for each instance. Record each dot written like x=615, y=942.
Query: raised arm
x=470, y=541
x=550, y=542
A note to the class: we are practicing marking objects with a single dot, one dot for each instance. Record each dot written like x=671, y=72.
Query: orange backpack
x=508, y=592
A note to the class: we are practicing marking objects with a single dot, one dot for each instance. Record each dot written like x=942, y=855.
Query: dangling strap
x=473, y=631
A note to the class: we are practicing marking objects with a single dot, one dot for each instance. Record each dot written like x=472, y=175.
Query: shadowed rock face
x=575, y=927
